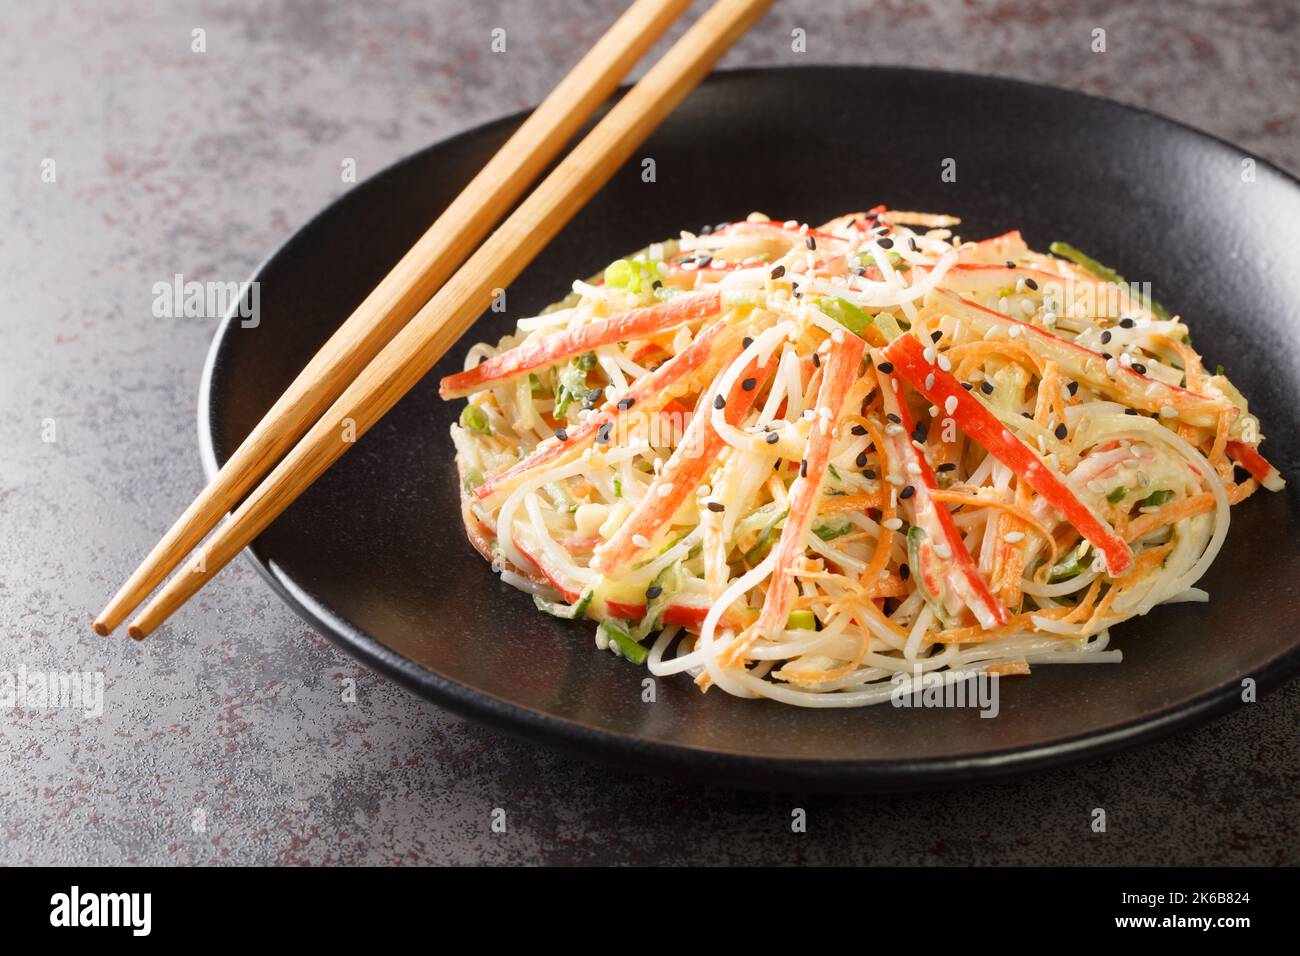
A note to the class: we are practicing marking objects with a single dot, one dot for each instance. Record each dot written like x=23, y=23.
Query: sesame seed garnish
x=858, y=429
x=641, y=541
x=944, y=363
x=810, y=242
x=904, y=572
x=746, y=342
x=885, y=243
x=771, y=438
x=869, y=474
x=1073, y=388
x=561, y=434
x=886, y=367
x=1130, y=411
x=861, y=459
x=749, y=384
x=1105, y=337
x=1139, y=368
x=918, y=433
x=911, y=244
x=895, y=480
x=936, y=335
x=967, y=385
x=1061, y=431
x=950, y=404
x=653, y=591
x=947, y=466
x=803, y=468
x=602, y=434
x=1013, y=537
x=1112, y=367
x=893, y=524
x=913, y=468
x=1010, y=264
x=929, y=381
x=1126, y=323
x=1031, y=284
x=986, y=388
x=894, y=418
x=778, y=272
x=943, y=551
x=719, y=401
x=907, y=492
x=715, y=506
x=626, y=403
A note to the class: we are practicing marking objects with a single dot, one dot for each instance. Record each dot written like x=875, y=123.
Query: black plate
x=374, y=554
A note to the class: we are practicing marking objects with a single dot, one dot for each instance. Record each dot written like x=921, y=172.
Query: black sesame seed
x=869, y=474
x=705, y=230
x=482, y=359
x=704, y=261
x=1061, y=431
x=803, y=468
x=986, y=388
x=1073, y=388
x=1031, y=284
x=904, y=571
x=862, y=459
x=1107, y=356
x=816, y=360
x=594, y=394
x=967, y=385
x=1027, y=415
x=911, y=244
x=1010, y=264
x=918, y=433
x=778, y=272
x=886, y=367
x=561, y=434
x=1105, y=337
x=1130, y=411
x=947, y=466
x=772, y=438
x=747, y=341
x=894, y=418
x=749, y=384
x=719, y=401
x=936, y=335
x=1126, y=323
x=716, y=506
x=1139, y=368
x=626, y=403
x=886, y=243
x=907, y=492
x=810, y=242
x=602, y=434
x=858, y=429
x=653, y=591
x=656, y=284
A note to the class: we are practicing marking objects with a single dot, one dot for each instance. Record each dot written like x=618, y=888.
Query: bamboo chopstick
x=414, y=350
x=408, y=286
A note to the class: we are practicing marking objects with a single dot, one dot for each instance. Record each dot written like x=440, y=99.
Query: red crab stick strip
x=1091, y=367
x=682, y=474
x=636, y=324
x=1248, y=457
x=648, y=393
x=839, y=373
x=942, y=389
x=944, y=546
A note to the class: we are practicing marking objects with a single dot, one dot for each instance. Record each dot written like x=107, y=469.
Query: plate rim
x=701, y=764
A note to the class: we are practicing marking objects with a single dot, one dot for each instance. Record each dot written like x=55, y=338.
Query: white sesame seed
x=1013, y=537
x=1112, y=367
x=913, y=468
x=950, y=404
x=929, y=381
x=895, y=480
x=1015, y=331
x=892, y=429
x=641, y=541
x=791, y=224
x=665, y=489
x=1168, y=411
x=929, y=354
x=893, y=524
x=945, y=363
x=943, y=551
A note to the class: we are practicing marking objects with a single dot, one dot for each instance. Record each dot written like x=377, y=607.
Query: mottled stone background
x=170, y=161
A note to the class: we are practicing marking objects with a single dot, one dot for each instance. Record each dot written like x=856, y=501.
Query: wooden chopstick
x=407, y=287
x=437, y=326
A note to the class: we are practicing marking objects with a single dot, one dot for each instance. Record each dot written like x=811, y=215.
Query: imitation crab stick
x=838, y=375
x=943, y=554
x=624, y=327
x=648, y=392
x=681, y=475
x=940, y=388
x=1109, y=377
x=1248, y=457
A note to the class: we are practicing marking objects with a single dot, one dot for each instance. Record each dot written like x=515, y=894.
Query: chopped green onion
x=1070, y=566
x=619, y=635
x=618, y=487
x=1155, y=499
x=828, y=533
x=764, y=542
x=888, y=326
x=473, y=478
x=1117, y=495
x=846, y=314
x=473, y=417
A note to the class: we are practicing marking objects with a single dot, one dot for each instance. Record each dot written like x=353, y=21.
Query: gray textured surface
x=170, y=161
